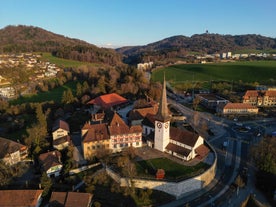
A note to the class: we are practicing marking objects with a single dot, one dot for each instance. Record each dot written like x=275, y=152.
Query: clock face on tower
x=159, y=125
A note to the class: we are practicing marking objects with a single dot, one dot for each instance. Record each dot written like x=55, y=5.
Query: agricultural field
x=64, y=63
x=248, y=71
x=53, y=95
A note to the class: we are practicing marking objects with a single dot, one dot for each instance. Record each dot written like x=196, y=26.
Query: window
x=115, y=146
x=137, y=143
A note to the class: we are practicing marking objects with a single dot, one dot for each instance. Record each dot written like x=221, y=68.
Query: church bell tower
x=162, y=122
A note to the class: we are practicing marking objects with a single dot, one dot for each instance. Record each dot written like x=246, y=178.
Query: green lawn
x=173, y=170
x=64, y=63
x=53, y=95
x=260, y=71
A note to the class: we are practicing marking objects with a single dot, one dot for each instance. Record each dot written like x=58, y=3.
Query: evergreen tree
x=67, y=97
x=79, y=90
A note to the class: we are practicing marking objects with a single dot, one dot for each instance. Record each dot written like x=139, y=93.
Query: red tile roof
x=57, y=199
x=270, y=93
x=117, y=125
x=70, y=199
x=183, y=136
x=60, y=124
x=141, y=113
x=8, y=146
x=251, y=93
x=50, y=159
x=19, y=198
x=179, y=150
x=239, y=106
x=202, y=150
x=75, y=199
x=96, y=132
x=108, y=100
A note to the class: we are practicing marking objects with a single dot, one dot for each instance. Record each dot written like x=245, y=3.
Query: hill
x=16, y=39
x=181, y=46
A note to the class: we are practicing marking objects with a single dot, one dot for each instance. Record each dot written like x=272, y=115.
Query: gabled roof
x=75, y=199
x=70, y=199
x=137, y=114
x=19, y=198
x=253, y=93
x=117, y=125
x=108, y=100
x=183, y=136
x=96, y=132
x=270, y=93
x=239, y=106
x=8, y=146
x=57, y=199
x=178, y=149
x=60, y=124
x=50, y=159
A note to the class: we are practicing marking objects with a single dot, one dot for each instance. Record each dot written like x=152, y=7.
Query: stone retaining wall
x=177, y=189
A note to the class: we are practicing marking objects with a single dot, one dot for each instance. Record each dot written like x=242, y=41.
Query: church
x=180, y=143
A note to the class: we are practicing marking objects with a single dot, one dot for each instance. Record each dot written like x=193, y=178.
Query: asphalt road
x=230, y=160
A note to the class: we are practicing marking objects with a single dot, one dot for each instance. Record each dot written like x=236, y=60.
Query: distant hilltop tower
x=162, y=122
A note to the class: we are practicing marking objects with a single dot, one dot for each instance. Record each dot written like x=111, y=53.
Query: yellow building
x=95, y=137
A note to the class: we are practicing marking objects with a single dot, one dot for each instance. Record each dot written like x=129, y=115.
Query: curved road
x=220, y=192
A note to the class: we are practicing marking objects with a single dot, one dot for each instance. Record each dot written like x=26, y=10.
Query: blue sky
x=140, y=22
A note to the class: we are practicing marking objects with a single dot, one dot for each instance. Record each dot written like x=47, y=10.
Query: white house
x=51, y=163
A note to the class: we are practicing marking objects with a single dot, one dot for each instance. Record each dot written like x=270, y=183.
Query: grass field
x=63, y=63
x=253, y=71
x=53, y=95
x=172, y=169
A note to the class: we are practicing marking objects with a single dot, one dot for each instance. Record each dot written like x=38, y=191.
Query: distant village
x=26, y=61
x=217, y=57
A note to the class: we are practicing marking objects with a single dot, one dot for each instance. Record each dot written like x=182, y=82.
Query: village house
x=70, y=199
x=13, y=198
x=107, y=101
x=136, y=116
x=60, y=134
x=12, y=152
x=260, y=98
x=94, y=137
x=50, y=163
x=238, y=108
x=113, y=134
x=210, y=101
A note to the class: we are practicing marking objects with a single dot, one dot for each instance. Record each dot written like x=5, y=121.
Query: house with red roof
x=17, y=198
x=136, y=116
x=113, y=134
x=70, y=199
x=50, y=163
x=60, y=134
x=257, y=98
x=238, y=108
x=107, y=101
x=12, y=152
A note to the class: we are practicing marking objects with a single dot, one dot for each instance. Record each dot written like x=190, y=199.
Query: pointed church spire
x=163, y=113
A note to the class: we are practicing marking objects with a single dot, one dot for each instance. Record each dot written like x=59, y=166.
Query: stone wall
x=177, y=189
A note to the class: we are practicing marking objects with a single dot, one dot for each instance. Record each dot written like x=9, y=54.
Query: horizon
x=122, y=23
